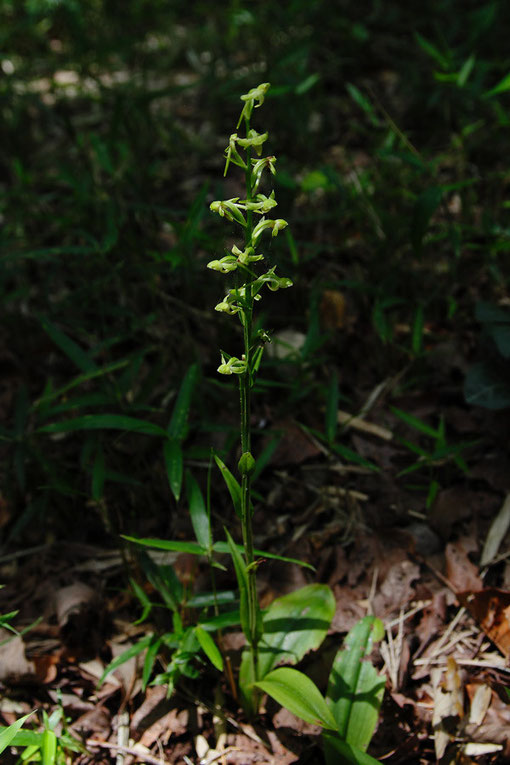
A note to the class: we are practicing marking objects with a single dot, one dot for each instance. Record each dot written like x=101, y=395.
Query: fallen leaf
x=490, y=608
x=460, y=571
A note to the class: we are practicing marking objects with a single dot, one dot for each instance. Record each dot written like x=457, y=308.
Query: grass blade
x=198, y=512
x=105, y=422
x=174, y=466
x=178, y=426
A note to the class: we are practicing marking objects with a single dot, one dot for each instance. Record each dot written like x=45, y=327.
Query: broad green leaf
x=355, y=689
x=222, y=547
x=129, y=653
x=295, y=624
x=209, y=647
x=7, y=735
x=297, y=693
x=335, y=748
x=178, y=426
x=168, y=544
x=174, y=465
x=232, y=485
x=72, y=350
x=48, y=747
x=198, y=512
x=104, y=422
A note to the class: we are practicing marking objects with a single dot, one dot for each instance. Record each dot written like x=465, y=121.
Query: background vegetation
x=390, y=130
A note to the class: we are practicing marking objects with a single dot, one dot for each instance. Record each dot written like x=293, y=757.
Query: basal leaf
x=355, y=689
x=295, y=624
x=338, y=752
x=297, y=693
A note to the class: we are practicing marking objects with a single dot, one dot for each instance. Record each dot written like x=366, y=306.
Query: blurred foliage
x=390, y=124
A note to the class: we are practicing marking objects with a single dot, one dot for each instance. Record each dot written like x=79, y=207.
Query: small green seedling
x=350, y=711
x=47, y=747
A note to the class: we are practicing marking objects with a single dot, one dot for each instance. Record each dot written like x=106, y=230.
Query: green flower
x=232, y=155
x=226, y=264
x=229, y=209
x=247, y=256
x=261, y=203
x=253, y=139
x=255, y=94
x=259, y=165
x=274, y=225
x=233, y=366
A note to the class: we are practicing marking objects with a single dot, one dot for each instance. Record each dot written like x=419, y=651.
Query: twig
x=148, y=758
x=351, y=421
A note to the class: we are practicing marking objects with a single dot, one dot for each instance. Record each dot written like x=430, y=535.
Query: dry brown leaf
x=490, y=608
x=460, y=571
x=448, y=706
x=13, y=662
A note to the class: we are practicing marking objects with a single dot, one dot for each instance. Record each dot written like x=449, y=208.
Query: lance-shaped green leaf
x=355, y=689
x=198, y=512
x=242, y=583
x=174, y=465
x=72, y=350
x=178, y=426
x=232, y=485
x=48, y=747
x=297, y=693
x=7, y=735
x=169, y=545
x=104, y=422
x=133, y=650
x=209, y=647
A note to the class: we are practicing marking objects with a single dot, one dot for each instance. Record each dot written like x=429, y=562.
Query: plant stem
x=245, y=383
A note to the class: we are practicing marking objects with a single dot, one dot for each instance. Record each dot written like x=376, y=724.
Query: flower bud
x=246, y=464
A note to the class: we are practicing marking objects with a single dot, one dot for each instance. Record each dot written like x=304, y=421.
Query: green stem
x=245, y=383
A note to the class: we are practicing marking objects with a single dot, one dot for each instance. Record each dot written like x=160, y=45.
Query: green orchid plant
x=250, y=214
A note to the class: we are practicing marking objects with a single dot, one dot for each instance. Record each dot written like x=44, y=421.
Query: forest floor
x=438, y=578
